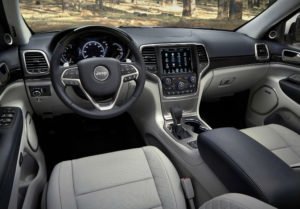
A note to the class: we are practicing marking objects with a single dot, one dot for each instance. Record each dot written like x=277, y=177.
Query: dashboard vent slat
x=202, y=56
x=262, y=52
x=150, y=58
x=36, y=62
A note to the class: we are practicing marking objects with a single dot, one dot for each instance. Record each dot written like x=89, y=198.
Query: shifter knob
x=176, y=113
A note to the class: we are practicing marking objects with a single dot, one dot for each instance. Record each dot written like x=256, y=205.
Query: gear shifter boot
x=179, y=132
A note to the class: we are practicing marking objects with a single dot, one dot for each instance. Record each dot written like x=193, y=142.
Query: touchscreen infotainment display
x=176, y=60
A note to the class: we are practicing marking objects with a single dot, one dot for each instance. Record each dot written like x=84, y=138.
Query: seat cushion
x=130, y=179
x=281, y=141
x=235, y=201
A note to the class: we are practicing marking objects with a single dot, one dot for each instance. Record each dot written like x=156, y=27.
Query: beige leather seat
x=132, y=179
x=281, y=141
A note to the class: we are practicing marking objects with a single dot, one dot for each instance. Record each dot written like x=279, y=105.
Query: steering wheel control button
x=127, y=69
x=129, y=72
x=101, y=73
x=71, y=73
x=71, y=82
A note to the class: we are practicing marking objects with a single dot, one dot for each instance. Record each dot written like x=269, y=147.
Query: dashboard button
x=167, y=81
x=193, y=79
x=181, y=85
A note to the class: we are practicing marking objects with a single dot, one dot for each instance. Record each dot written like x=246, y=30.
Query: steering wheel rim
x=128, y=71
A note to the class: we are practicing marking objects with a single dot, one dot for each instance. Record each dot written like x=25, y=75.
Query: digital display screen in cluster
x=176, y=60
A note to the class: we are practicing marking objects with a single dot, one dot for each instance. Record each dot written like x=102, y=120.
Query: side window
x=292, y=31
x=287, y=32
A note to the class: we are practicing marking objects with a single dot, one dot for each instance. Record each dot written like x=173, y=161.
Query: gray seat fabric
x=235, y=201
x=281, y=141
x=132, y=179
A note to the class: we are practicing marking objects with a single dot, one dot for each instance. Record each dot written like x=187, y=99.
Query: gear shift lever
x=178, y=131
x=176, y=113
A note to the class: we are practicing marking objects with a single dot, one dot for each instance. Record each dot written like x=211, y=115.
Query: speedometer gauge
x=92, y=49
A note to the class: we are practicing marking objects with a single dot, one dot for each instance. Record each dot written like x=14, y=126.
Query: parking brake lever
x=178, y=131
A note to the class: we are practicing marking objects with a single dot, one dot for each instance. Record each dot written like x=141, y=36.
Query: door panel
x=11, y=127
x=291, y=87
x=29, y=176
x=287, y=111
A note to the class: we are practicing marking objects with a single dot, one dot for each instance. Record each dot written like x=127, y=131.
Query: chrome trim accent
x=92, y=101
x=256, y=55
x=8, y=39
x=272, y=34
x=45, y=56
x=291, y=60
x=158, y=79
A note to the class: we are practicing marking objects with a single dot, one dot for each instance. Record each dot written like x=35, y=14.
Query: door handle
x=291, y=56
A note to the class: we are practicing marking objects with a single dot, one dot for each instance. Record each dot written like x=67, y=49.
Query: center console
x=245, y=166
x=167, y=114
x=177, y=68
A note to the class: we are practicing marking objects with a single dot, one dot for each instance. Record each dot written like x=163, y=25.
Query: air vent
x=261, y=52
x=36, y=62
x=202, y=56
x=150, y=59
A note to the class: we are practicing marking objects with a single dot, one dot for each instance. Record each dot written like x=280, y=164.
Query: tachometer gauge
x=69, y=55
x=117, y=51
x=92, y=49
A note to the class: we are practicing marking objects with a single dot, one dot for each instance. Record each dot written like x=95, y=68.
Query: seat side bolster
x=166, y=179
x=53, y=193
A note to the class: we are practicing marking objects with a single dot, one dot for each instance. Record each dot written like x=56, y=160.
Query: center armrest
x=247, y=167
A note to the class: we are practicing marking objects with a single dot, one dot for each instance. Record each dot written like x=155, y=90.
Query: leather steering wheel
x=100, y=79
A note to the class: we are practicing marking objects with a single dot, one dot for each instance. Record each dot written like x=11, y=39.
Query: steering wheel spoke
x=101, y=106
x=70, y=76
x=129, y=72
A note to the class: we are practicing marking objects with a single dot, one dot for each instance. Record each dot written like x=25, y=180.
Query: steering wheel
x=100, y=79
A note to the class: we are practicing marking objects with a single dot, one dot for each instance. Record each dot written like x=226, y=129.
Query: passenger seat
x=282, y=141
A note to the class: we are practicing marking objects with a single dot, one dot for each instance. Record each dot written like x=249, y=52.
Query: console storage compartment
x=245, y=166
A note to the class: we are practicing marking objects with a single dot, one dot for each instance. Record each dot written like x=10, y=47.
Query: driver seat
x=140, y=178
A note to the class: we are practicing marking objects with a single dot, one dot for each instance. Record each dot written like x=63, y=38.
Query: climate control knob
x=180, y=85
x=167, y=81
x=193, y=79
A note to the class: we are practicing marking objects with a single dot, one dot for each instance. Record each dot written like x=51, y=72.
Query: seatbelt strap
x=188, y=191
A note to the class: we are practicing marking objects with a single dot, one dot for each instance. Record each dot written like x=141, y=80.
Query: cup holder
x=196, y=126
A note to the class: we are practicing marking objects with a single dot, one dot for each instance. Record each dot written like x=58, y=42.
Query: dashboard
x=94, y=45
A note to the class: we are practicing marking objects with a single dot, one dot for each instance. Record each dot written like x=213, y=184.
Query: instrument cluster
x=88, y=47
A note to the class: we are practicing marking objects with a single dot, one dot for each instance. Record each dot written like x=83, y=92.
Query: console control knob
x=167, y=81
x=193, y=79
x=37, y=93
x=181, y=85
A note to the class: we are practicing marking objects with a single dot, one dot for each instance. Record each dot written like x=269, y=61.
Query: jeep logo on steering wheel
x=101, y=73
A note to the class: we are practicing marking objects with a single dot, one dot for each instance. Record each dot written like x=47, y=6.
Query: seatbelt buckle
x=188, y=191
x=187, y=187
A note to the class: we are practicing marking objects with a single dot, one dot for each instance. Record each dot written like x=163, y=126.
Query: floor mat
x=71, y=136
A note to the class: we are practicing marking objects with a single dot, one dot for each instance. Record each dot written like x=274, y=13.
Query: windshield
x=51, y=15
